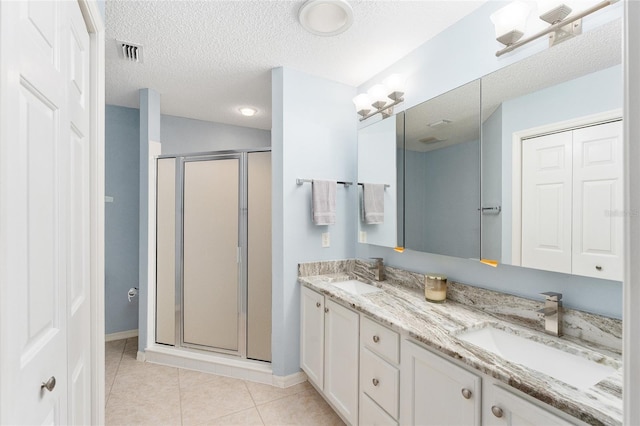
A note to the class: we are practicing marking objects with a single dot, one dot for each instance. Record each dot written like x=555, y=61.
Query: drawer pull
x=599, y=268
x=317, y=304
x=497, y=411
x=376, y=339
x=466, y=393
x=376, y=382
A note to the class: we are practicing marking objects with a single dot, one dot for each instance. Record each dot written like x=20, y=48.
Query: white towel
x=323, y=196
x=373, y=203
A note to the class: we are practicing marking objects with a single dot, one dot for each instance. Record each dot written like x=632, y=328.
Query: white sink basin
x=357, y=288
x=579, y=372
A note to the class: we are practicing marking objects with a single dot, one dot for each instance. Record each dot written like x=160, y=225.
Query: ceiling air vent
x=130, y=51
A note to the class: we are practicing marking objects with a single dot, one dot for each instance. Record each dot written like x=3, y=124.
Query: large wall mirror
x=381, y=162
x=442, y=174
x=552, y=158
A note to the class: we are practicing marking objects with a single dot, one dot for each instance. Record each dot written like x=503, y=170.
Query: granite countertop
x=404, y=309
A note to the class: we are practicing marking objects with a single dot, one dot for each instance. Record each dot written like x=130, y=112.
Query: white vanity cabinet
x=329, y=351
x=503, y=408
x=379, y=374
x=435, y=391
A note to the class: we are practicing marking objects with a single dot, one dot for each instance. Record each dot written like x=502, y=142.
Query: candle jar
x=435, y=288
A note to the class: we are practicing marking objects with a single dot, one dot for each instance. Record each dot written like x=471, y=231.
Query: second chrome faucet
x=552, y=313
x=378, y=269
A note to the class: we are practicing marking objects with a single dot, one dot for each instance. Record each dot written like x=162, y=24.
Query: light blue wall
x=185, y=135
x=462, y=53
x=448, y=198
x=149, y=131
x=122, y=154
x=313, y=137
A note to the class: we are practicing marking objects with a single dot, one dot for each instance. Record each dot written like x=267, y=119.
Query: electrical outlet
x=326, y=239
x=362, y=237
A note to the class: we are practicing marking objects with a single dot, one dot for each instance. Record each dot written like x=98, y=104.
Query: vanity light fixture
x=510, y=23
x=248, y=111
x=326, y=17
x=381, y=98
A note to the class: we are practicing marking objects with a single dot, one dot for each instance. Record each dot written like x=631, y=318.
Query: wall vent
x=129, y=51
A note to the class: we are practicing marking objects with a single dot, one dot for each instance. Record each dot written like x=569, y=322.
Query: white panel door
x=546, y=202
x=78, y=214
x=44, y=214
x=598, y=201
x=341, y=359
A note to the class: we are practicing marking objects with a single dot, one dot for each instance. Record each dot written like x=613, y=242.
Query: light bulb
x=395, y=83
x=378, y=95
x=362, y=102
x=512, y=17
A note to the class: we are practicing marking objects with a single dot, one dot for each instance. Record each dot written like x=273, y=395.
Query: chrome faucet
x=378, y=267
x=552, y=313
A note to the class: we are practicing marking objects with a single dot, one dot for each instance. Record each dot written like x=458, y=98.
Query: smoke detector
x=129, y=51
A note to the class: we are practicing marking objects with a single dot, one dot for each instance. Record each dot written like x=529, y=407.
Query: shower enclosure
x=213, y=286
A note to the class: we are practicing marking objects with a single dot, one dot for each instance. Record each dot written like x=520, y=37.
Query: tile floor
x=140, y=393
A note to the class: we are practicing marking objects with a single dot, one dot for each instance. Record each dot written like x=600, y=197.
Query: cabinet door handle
x=599, y=268
x=376, y=339
x=497, y=411
x=376, y=382
x=317, y=304
x=326, y=310
x=49, y=384
x=466, y=393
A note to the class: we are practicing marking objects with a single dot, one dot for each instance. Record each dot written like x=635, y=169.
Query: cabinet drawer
x=380, y=340
x=380, y=380
x=372, y=415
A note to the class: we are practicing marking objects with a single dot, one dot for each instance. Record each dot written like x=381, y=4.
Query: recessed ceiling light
x=248, y=111
x=440, y=123
x=326, y=17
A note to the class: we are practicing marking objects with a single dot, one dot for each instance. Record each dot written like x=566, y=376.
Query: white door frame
x=631, y=284
x=96, y=30
x=516, y=168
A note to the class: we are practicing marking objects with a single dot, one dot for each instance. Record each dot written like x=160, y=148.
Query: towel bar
x=386, y=185
x=301, y=181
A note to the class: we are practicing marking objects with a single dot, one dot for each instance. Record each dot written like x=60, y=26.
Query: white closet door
x=211, y=253
x=546, y=202
x=78, y=215
x=44, y=214
x=598, y=201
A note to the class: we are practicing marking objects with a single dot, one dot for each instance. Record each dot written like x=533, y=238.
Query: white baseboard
x=253, y=371
x=290, y=380
x=120, y=335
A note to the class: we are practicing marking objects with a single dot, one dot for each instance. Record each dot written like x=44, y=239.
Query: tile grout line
x=255, y=405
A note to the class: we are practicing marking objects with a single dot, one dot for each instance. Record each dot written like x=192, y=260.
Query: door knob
x=326, y=310
x=376, y=382
x=49, y=384
x=466, y=393
x=376, y=339
x=317, y=304
x=497, y=411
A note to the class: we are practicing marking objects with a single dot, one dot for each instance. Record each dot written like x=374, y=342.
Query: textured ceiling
x=208, y=58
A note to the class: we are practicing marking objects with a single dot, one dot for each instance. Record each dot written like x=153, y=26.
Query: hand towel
x=323, y=196
x=373, y=204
